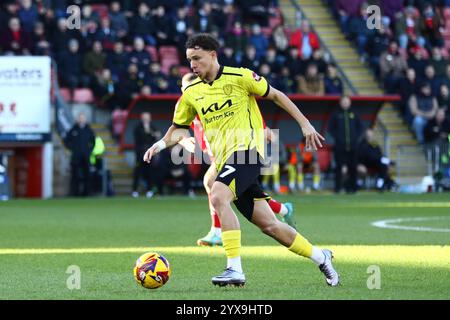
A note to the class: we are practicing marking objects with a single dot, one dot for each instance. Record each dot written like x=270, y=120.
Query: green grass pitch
x=39, y=240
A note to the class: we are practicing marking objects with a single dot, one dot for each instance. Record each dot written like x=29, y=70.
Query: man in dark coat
x=145, y=135
x=346, y=128
x=80, y=140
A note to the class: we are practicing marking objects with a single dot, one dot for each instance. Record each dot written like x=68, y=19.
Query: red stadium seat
x=101, y=9
x=184, y=70
x=66, y=95
x=168, y=51
x=166, y=63
x=153, y=52
x=324, y=159
x=83, y=95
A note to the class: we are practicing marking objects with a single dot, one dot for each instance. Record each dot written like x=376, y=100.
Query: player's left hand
x=312, y=137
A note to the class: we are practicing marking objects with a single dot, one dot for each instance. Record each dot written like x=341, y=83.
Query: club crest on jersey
x=256, y=76
x=228, y=89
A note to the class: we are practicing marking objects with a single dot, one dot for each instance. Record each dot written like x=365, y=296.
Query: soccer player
x=214, y=236
x=224, y=100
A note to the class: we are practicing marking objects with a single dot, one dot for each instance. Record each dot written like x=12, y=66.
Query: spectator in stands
x=80, y=141
x=430, y=77
x=443, y=97
x=417, y=61
x=15, y=40
x=61, y=37
x=446, y=79
x=139, y=56
x=358, y=30
x=70, y=67
x=370, y=157
x=318, y=59
x=141, y=25
x=10, y=11
x=285, y=82
x=89, y=16
x=312, y=83
x=279, y=40
x=119, y=22
x=266, y=72
x=346, y=129
x=117, y=61
x=430, y=25
x=408, y=86
x=146, y=90
x=332, y=82
x=231, y=15
x=345, y=10
x=422, y=108
x=39, y=44
x=154, y=76
x=28, y=15
x=173, y=79
x=407, y=27
x=294, y=64
x=272, y=60
x=377, y=43
x=145, y=134
x=204, y=19
x=105, y=89
x=227, y=57
x=237, y=40
x=259, y=41
x=182, y=24
x=437, y=129
x=94, y=61
x=392, y=67
x=250, y=60
x=305, y=40
x=131, y=85
x=438, y=62
x=255, y=11
x=390, y=8
x=164, y=32
x=105, y=34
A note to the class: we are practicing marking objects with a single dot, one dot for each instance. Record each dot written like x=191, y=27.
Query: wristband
x=161, y=145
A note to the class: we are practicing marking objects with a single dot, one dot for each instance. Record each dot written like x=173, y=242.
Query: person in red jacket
x=305, y=40
x=15, y=40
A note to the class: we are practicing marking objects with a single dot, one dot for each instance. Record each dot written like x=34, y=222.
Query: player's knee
x=217, y=201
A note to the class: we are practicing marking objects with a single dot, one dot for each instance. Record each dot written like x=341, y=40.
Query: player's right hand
x=154, y=149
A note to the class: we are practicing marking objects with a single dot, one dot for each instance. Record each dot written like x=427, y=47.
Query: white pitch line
x=391, y=224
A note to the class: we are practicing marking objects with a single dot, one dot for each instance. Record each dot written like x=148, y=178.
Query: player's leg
x=300, y=176
x=293, y=240
x=213, y=238
x=221, y=197
x=316, y=175
x=292, y=172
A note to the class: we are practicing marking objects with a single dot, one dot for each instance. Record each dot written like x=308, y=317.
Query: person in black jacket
x=371, y=157
x=145, y=135
x=346, y=128
x=80, y=140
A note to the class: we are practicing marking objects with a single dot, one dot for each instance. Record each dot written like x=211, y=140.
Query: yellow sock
x=232, y=243
x=301, y=246
x=300, y=179
x=316, y=179
x=291, y=174
x=276, y=175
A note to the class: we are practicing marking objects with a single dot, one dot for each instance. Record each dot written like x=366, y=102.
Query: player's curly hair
x=203, y=41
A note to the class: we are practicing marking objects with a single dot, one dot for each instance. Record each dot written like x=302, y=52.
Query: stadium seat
x=83, y=95
x=184, y=70
x=324, y=159
x=101, y=9
x=168, y=51
x=153, y=52
x=65, y=94
x=166, y=63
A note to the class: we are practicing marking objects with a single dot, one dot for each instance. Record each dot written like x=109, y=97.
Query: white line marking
x=392, y=224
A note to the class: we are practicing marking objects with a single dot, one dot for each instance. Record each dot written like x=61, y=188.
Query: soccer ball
x=151, y=270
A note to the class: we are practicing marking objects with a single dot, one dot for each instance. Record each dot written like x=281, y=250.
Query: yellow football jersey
x=228, y=111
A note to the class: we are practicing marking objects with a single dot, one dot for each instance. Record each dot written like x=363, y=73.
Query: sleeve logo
x=256, y=77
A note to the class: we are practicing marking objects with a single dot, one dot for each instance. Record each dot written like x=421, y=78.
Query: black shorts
x=242, y=179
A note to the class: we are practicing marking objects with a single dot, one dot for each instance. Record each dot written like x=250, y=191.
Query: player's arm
x=173, y=136
x=313, y=138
